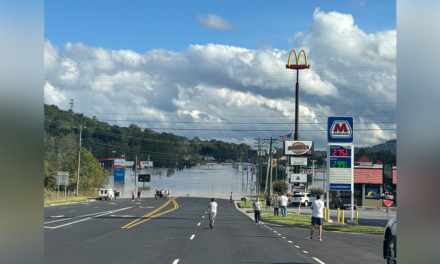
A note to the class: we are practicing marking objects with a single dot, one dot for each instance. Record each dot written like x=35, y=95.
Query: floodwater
x=218, y=181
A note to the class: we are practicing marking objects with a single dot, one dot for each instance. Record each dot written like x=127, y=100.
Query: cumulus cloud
x=213, y=21
x=352, y=74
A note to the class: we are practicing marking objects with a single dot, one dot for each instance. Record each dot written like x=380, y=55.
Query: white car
x=389, y=242
x=303, y=198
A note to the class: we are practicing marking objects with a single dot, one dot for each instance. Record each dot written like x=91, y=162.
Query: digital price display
x=340, y=162
x=339, y=151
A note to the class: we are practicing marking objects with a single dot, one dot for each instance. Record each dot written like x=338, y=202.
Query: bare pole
x=79, y=160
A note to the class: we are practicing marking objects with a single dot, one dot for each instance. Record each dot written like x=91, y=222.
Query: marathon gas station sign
x=340, y=154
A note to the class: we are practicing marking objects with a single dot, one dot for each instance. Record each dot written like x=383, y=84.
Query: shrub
x=315, y=191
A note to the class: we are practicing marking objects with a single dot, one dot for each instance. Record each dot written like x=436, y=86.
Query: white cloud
x=213, y=21
x=217, y=83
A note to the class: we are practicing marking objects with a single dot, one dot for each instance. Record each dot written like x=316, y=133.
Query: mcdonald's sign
x=297, y=65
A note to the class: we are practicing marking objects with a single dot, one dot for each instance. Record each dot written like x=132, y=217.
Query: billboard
x=299, y=177
x=144, y=164
x=298, y=161
x=340, y=129
x=119, y=170
x=298, y=148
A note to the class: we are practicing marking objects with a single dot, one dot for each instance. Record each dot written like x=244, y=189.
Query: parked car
x=389, y=242
x=106, y=194
x=303, y=198
x=343, y=201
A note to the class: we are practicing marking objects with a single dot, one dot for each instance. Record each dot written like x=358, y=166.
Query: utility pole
x=79, y=160
x=135, y=171
x=269, y=165
x=313, y=172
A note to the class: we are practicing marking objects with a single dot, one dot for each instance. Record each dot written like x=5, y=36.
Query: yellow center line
x=151, y=214
x=154, y=216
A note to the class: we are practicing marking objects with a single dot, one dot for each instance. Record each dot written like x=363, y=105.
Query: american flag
x=286, y=137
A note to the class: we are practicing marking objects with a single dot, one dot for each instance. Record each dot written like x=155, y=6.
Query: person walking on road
x=283, y=204
x=132, y=196
x=317, y=216
x=212, y=207
x=169, y=194
x=139, y=195
x=275, y=205
x=268, y=201
x=256, y=206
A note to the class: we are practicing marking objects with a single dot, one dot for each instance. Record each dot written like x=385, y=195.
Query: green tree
x=91, y=174
x=280, y=187
x=316, y=190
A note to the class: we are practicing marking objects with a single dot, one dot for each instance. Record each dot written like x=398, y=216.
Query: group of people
x=133, y=195
x=281, y=202
x=165, y=194
x=277, y=203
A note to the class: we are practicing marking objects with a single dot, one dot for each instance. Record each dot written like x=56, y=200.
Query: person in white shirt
x=212, y=207
x=283, y=205
x=166, y=193
x=317, y=216
x=256, y=206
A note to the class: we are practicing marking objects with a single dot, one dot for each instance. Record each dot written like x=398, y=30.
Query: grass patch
x=247, y=205
x=69, y=200
x=299, y=220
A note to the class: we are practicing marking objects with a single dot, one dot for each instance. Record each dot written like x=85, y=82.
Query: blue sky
x=144, y=25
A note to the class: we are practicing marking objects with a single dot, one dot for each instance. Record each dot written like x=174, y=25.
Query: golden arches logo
x=297, y=57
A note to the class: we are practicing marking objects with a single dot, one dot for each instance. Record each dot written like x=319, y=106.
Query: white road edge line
x=296, y=246
x=284, y=237
x=290, y=241
x=198, y=224
x=192, y=237
x=305, y=252
x=114, y=211
x=203, y=216
x=73, y=217
x=176, y=261
x=318, y=260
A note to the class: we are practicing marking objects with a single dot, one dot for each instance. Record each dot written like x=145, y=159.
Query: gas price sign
x=340, y=166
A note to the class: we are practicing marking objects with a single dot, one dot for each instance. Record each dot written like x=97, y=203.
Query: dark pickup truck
x=343, y=201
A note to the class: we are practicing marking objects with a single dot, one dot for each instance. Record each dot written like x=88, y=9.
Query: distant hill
x=390, y=145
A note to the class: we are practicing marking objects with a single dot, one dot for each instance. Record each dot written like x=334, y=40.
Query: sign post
x=62, y=179
x=340, y=157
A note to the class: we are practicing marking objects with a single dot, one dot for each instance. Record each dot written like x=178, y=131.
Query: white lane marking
x=63, y=207
x=111, y=203
x=56, y=216
x=318, y=260
x=72, y=218
x=96, y=207
x=176, y=261
x=114, y=211
x=203, y=216
x=85, y=203
x=192, y=237
x=206, y=212
x=296, y=246
x=305, y=252
x=72, y=211
x=279, y=234
x=198, y=224
x=123, y=215
x=290, y=241
x=284, y=237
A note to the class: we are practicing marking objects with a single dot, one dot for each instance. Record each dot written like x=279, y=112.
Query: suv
x=303, y=198
x=389, y=242
x=343, y=201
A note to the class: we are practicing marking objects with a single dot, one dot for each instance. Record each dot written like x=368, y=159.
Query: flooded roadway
x=217, y=181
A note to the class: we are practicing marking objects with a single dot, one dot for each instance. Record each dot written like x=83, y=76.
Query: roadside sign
x=298, y=161
x=340, y=166
x=340, y=129
x=387, y=202
x=144, y=178
x=299, y=177
x=298, y=148
x=298, y=188
x=62, y=178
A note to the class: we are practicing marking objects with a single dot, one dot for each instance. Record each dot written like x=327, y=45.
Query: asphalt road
x=178, y=232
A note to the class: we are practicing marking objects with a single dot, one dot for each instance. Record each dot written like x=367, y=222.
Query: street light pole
x=79, y=160
x=113, y=163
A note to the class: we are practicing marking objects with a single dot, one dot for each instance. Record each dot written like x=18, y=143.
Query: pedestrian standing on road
x=166, y=194
x=268, y=201
x=169, y=194
x=230, y=198
x=275, y=205
x=317, y=216
x=212, y=207
x=161, y=193
x=139, y=195
x=283, y=205
x=133, y=195
x=256, y=206
x=155, y=194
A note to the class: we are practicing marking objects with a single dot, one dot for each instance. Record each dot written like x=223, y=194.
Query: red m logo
x=340, y=128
